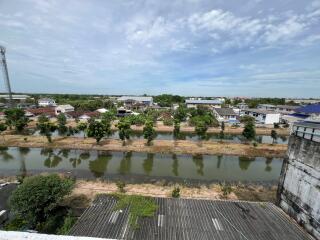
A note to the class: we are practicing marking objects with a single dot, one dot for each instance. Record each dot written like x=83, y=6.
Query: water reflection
x=125, y=164
x=198, y=161
x=148, y=163
x=244, y=162
x=99, y=166
x=219, y=158
x=64, y=153
x=84, y=155
x=268, y=164
x=175, y=165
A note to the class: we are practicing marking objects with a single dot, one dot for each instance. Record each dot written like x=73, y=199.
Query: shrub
x=37, y=199
x=68, y=222
x=121, y=185
x=276, y=125
x=255, y=144
x=175, y=192
x=168, y=122
x=226, y=189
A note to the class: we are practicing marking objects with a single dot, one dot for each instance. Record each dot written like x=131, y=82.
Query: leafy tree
x=222, y=126
x=83, y=127
x=221, y=135
x=98, y=130
x=149, y=132
x=181, y=113
x=274, y=136
x=108, y=116
x=46, y=129
x=3, y=127
x=16, y=118
x=246, y=118
x=43, y=118
x=124, y=129
x=36, y=201
x=62, y=121
x=249, y=131
x=201, y=129
x=176, y=129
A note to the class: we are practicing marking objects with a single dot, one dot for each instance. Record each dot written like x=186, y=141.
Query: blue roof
x=309, y=109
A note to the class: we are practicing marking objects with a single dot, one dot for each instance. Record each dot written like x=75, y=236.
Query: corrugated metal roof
x=190, y=219
x=225, y=111
x=190, y=101
x=309, y=109
x=135, y=98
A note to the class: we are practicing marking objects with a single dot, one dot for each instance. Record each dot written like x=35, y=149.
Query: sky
x=255, y=48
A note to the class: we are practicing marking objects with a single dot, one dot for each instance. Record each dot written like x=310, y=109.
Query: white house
x=63, y=109
x=263, y=116
x=46, y=102
x=194, y=103
x=225, y=115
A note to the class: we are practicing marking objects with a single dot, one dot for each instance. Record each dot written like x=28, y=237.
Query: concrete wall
x=299, y=187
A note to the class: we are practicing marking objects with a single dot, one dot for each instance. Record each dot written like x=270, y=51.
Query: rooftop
x=309, y=109
x=261, y=111
x=225, y=111
x=190, y=219
x=197, y=101
x=135, y=98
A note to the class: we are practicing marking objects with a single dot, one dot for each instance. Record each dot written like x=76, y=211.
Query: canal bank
x=139, y=145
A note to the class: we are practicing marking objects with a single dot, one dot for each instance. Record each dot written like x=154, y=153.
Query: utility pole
x=6, y=74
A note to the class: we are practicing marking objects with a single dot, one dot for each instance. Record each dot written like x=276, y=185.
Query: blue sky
x=255, y=48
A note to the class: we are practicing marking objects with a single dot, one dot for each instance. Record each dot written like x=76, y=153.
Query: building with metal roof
x=193, y=103
x=312, y=109
x=189, y=219
x=225, y=115
x=144, y=100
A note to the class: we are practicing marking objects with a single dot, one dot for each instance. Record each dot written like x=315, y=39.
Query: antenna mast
x=6, y=74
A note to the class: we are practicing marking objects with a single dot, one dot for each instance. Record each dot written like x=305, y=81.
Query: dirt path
x=158, y=146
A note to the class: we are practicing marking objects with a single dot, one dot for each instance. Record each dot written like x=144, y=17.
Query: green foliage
x=16, y=224
x=43, y=118
x=37, y=199
x=121, y=185
x=222, y=126
x=138, y=120
x=124, y=129
x=276, y=125
x=203, y=114
x=168, y=122
x=176, y=129
x=181, y=113
x=254, y=102
x=176, y=192
x=274, y=135
x=46, y=129
x=82, y=126
x=140, y=206
x=255, y=144
x=98, y=130
x=62, y=121
x=108, y=116
x=246, y=119
x=221, y=135
x=226, y=189
x=15, y=118
x=149, y=133
x=68, y=222
x=3, y=127
x=166, y=100
x=201, y=129
x=249, y=131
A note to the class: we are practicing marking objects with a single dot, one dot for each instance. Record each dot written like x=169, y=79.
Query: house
x=194, y=103
x=225, y=115
x=15, y=97
x=64, y=109
x=34, y=112
x=47, y=102
x=136, y=102
x=263, y=116
x=82, y=115
x=25, y=105
x=122, y=112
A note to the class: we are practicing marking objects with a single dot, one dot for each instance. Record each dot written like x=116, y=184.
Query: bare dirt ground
x=139, y=145
x=211, y=192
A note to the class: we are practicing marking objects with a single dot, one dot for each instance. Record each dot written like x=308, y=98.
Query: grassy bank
x=162, y=146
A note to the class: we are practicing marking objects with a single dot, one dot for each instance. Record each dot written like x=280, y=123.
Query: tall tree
x=274, y=136
x=83, y=127
x=16, y=118
x=124, y=127
x=98, y=130
x=176, y=129
x=62, y=121
x=201, y=129
x=249, y=131
x=149, y=132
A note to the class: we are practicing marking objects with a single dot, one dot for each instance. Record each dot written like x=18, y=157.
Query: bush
x=121, y=185
x=175, y=192
x=276, y=125
x=37, y=199
x=226, y=189
x=168, y=122
x=68, y=222
x=255, y=144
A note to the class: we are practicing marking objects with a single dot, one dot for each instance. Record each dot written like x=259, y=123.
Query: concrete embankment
x=164, y=146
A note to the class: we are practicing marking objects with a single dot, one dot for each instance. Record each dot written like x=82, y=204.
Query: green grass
x=139, y=206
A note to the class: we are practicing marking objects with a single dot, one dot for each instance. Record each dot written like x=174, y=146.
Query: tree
x=274, y=136
x=246, y=118
x=221, y=135
x=16, y=118
x=181, y=113
x=249, y=131
x=176, y=129
x=36, y=201
x=149, y=132
x=124, y=127
x=98, y=130
x=201, y=129
x=46, y=129
x=62, y=121
x=3, y=127
x=222, y=126
x=43, y=118
x=83, y=127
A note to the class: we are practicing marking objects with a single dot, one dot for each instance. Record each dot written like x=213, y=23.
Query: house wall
x=272, y=118
x=299, y=185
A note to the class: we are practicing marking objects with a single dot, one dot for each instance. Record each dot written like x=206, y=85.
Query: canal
x=139, y=167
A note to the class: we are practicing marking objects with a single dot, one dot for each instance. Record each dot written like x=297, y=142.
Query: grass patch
x=139, y=206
